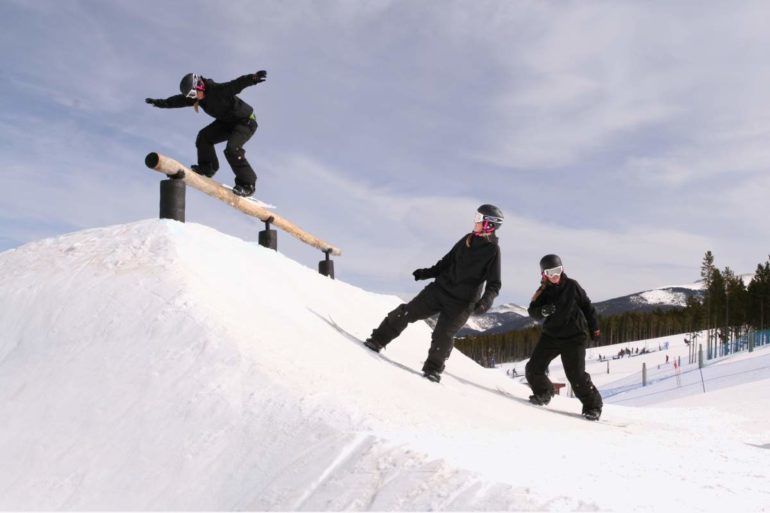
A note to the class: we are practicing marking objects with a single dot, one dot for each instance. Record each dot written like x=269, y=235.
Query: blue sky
x=628, y=137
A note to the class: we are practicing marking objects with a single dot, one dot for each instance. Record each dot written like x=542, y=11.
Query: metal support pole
x=172, y=199
x=326, y=267
x=644, y=374
x=267, y=237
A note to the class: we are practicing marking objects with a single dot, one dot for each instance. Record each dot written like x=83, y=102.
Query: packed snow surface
x=160, y=365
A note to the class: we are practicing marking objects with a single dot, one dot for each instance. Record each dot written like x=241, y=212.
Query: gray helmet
x=549, y=262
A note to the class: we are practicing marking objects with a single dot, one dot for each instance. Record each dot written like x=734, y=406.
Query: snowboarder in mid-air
x=568, y=316
x=234, y=122
x=454, y=295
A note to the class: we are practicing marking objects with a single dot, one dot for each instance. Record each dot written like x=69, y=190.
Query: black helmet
x=490, y=215
x=549, y=262
x=190, y=84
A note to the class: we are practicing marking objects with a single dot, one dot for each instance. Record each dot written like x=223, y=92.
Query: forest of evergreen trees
x=729, y=308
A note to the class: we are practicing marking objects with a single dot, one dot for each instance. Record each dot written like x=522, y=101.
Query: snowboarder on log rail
x=174, y=169
x=234, y=122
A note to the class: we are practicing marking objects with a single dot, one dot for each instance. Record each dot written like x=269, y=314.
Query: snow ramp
x=161, y=365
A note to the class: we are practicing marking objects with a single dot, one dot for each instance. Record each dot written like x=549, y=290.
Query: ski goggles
x=553, y=271
x=480, y=218
x=197, y=85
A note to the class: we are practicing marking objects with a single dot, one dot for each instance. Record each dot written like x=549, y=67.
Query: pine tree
x=759, y=297
x=707, y=269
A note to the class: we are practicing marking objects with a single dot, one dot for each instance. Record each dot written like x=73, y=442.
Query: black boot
x=244, y=190
x=203, y=170
x=540, y=399
x=432, y=370
x=373, y=345
x=592, y=413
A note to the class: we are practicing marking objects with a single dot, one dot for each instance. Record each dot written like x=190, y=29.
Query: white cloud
x=594, y=75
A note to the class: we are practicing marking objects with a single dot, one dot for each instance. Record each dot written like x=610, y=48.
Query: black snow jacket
x=574, y=312
x=461, y=273
x=221, y=101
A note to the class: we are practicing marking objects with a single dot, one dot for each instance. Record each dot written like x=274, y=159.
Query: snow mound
x=166, y=365
x=161, y=365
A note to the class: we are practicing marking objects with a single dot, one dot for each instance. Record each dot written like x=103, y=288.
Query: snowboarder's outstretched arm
x=433, y=272
x=172, y=102
x=239, y=84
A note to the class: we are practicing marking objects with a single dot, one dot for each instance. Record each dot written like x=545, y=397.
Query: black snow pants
x=452, y=315
x=573, y=357
x=236, y=135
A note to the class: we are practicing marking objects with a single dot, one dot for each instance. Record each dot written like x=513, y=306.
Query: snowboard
x=560, y=412
x=373, y=354
x=258, y=202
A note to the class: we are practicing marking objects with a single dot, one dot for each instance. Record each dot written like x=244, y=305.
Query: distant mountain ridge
x=510, y=316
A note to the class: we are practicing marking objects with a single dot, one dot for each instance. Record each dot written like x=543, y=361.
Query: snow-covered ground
x=160, y=365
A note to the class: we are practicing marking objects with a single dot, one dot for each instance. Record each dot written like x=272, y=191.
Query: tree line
x=727, y=308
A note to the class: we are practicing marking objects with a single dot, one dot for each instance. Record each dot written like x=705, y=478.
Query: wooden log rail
x=174, y=169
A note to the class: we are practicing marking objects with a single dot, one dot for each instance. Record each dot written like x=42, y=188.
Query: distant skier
x=234, y=122
x=454, y=295
x=567, y=315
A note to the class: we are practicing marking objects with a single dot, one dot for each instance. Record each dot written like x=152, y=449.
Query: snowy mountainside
x=662, y=298
x=166, y=366
x=668, y=297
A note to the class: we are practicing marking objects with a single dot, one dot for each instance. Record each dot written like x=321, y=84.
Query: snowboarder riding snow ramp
x=174, y=169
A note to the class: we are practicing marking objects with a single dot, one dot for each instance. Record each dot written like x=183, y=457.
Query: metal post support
x=267, y=237
x=700, y=356
x=326, y=267
x=644, y=374
x=172, y=199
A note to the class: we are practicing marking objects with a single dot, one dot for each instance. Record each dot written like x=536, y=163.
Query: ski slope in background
x=160, y=365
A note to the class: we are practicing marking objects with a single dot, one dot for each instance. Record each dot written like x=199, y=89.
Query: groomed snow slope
x=160, y=365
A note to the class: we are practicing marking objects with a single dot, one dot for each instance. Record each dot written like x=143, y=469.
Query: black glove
x=596, y=335
x=482, y=306
x=152, y=102
x=260, y=76
x=421, y=274
x=547, y=310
